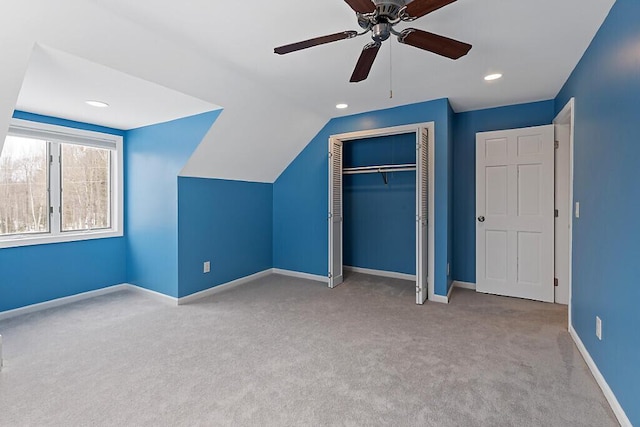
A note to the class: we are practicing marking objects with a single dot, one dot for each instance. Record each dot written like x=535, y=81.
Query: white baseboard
x=608, y=393
x=464, y=285
x=134, y=288
x=223, y=287
x=300, y=275
x=61, y=301
x=153, y=294
x=441, y=299
x=382, y=273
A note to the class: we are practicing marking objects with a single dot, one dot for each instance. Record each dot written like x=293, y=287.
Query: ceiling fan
x=379, y=17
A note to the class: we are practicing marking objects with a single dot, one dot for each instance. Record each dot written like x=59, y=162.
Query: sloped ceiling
x=56, y=81
x=222, y=53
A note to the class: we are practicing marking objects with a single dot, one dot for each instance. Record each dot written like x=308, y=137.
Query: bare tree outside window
x=85, y=187
x=24, y=205
x=59, y=184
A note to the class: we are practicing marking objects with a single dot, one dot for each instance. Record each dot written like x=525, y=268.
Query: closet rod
x=380, y=168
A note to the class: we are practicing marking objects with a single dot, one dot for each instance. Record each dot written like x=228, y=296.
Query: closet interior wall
x=380, y=207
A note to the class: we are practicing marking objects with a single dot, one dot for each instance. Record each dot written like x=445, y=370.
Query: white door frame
x=396, y=130
x=567, y=117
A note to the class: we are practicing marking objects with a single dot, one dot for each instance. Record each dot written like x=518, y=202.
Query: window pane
x=24, y=205
x=85, y=188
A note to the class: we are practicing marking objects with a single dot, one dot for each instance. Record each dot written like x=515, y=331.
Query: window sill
x=14, y=242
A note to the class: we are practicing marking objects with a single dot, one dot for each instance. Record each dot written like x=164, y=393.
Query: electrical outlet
x=577, y=210
x=599, y=328
x=207, y=266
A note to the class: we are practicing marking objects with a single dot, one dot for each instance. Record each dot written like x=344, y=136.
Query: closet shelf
x=379, y=169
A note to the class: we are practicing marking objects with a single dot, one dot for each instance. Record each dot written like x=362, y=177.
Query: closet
x=379, y=202
x=379, y=197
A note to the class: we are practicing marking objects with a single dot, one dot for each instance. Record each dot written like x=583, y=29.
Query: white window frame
x=60, y=134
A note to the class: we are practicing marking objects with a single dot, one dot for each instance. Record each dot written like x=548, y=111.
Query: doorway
x=555, y=271
x=424, y=217
x=564, y=132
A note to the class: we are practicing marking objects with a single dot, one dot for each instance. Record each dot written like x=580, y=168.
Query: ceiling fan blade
x=441, y=45
x=365, y=62
x=361, y=6
x=314, y=42
x=418, y=8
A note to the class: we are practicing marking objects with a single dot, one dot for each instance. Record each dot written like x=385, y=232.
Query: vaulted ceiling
x=201, y=54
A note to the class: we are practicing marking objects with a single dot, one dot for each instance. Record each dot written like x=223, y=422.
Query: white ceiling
x=535, y=44
x=57, y=83
x=222, y=54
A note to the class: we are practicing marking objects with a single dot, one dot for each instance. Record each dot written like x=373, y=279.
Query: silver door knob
x=481, y=218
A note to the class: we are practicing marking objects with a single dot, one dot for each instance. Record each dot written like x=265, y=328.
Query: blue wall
x=300, y=194
x=379, y=218
x=154, y=157
x=606, y=237
x=226, y=222
x=466, y=125
x=39, y=273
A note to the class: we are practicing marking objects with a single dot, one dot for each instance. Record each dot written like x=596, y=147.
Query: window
x=86, y=187
x=59, y=184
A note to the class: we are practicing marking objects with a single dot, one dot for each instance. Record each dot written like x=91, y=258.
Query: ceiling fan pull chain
x=390, y=71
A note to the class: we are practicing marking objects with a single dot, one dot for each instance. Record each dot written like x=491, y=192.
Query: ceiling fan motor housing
x=380, y=32
x=383, y=19
x=388, y=10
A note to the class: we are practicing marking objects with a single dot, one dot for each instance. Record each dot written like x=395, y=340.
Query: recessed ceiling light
x=493, y=77
x=341, y=106
x=98, y=104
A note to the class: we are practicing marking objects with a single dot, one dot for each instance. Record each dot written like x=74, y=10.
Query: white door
x=515, y=213
x=335, y=213
x=422, y=214
x=562, y=230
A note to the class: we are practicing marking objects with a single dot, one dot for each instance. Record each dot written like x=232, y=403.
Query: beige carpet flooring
x=288, y=352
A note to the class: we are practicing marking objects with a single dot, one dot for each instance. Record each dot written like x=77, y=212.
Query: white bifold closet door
x=424, y=164
x=422, y=214
x=335, y=214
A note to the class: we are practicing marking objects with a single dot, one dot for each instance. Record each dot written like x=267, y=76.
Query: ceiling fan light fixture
x=378, y=18
x=491, y=77
x=342, y=106
x=97, y=104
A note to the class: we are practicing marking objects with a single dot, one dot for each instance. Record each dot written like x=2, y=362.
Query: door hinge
x=556, y=144
x=555, y=281
x=50, y=210
x=330, y=275
x=556, y=213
